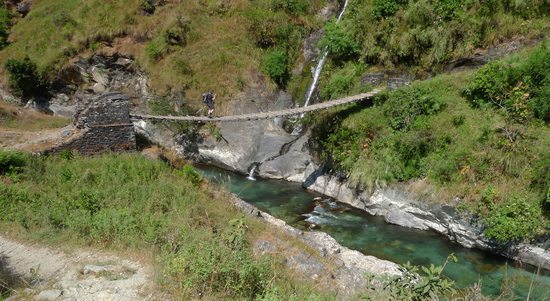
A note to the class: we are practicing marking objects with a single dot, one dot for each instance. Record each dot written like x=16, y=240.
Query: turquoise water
x=371, y=235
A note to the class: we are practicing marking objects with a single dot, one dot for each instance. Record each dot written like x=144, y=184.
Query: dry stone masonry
x=102, y=125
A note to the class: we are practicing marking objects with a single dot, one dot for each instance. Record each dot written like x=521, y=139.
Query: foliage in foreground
x=127, y=201
x=415, y=284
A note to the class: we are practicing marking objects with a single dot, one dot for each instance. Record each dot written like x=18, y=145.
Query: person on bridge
x=208, y=98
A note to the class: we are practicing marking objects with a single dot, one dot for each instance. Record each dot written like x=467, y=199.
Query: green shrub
x=276, y=64
x=12, y=202
x=386, y=8
x=536, y=74
x=5, y=25
x=339, y=42
x=489, y=85
x=518, y=90
x=405, y=105
x=412, y=150
x=415, y=283
x=221, y=264
x=157, y=48
x=516, y=219
x=191, y=174
x=177, y=33
x=343, y=146
x=264, y=26
x=295, y=7
x=341, y=81
x=24, y=78
x=449, y=9
x=147, y=7
x=12, y=161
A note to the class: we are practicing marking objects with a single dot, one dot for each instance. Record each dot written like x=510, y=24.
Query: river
x=371, y=235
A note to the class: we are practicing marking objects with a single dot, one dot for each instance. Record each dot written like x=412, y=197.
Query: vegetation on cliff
x=481, y=137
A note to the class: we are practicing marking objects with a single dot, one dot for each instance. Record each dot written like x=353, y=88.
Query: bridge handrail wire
x=266, y=115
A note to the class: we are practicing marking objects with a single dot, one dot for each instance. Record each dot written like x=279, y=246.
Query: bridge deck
x=267, y=115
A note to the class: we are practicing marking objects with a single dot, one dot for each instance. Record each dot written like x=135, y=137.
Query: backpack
x=207, y=97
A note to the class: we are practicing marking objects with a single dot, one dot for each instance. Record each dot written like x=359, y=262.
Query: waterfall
x=320, y=64
x=251, y=173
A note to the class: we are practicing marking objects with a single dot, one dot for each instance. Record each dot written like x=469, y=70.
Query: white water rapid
x=251, y=173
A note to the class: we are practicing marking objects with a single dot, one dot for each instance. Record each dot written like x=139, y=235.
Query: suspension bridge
x=266, y=115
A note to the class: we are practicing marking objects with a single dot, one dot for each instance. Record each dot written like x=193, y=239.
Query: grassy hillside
x=130, y=203
x=15, y=118
x=420, y=37
x=480, y=137
x=187, y=47
x=184, y=46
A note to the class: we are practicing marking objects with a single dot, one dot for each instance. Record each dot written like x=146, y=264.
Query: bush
x=341, y=82
x=157, y=48
x=415, y=283
x=178, y=33
x=405, y=105
x=344, y=147
x=277, y=66
x=514, y=220
x=24, y=78
x=412, y=150
x=489, y=85
x=221, y=264
x=190, y=174
x=386, y=8
x=12, y=161
x=449, y=9
x=295, y=7
x=520, y=91
x=5, y=25
x=264, y=26
x=339, y=42
x=536, y=74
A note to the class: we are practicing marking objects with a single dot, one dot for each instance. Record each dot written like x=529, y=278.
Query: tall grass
x=129, y=202
x=12, y=117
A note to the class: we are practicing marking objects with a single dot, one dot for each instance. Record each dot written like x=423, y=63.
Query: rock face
x=240, y=146
x=398, y=207
x=103, y=125
x=86, y=78
x=349, y=268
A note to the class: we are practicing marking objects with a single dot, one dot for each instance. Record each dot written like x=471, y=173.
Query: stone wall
x=102, y=125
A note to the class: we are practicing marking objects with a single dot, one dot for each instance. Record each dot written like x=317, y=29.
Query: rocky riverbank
x=295, y=163
x=330, y=262
x=399, y=207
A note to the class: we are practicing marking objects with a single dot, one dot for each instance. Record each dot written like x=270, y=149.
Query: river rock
x=101, y=73
x=242, y=145
x=49, y=295
x=374, y=79
x=348, y=267
x=395, y=83
x=24, y=7
x=292, y=162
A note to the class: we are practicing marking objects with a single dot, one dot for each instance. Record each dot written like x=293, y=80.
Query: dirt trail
x=80, y=275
